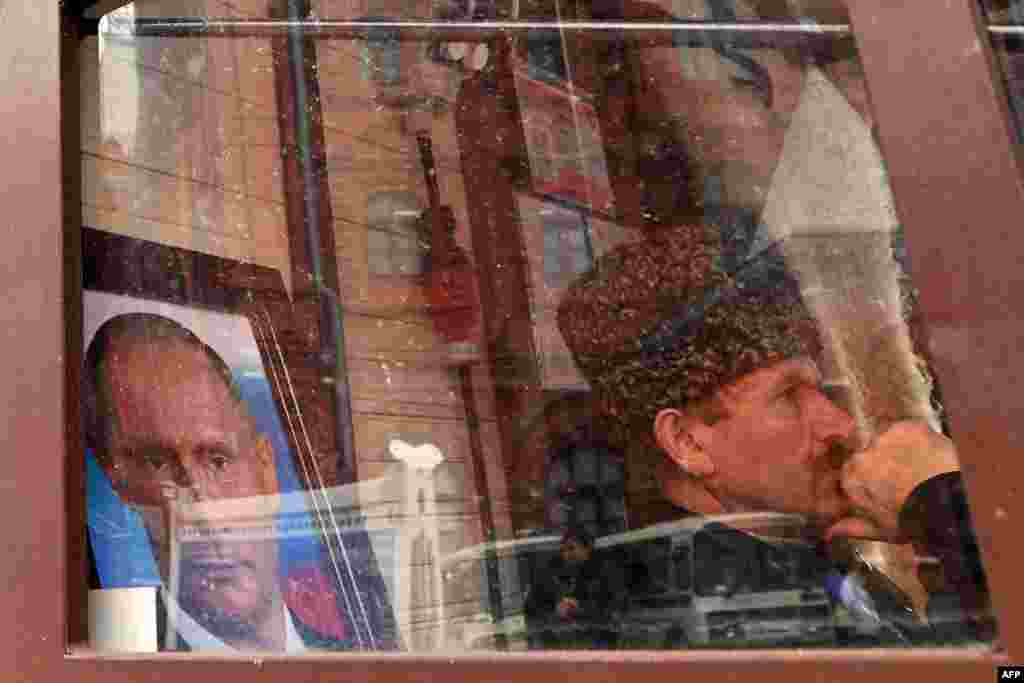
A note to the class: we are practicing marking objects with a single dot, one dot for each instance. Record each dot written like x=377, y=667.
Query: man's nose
x=832, y=423
x=187, y=481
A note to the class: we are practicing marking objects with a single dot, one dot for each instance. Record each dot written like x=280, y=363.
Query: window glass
x=584, y=328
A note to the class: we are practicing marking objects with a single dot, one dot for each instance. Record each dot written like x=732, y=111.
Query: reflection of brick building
x=187, y=143
x=545, y=163
x=190, y=143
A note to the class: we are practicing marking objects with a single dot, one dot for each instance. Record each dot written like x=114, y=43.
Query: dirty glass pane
x=473, y=325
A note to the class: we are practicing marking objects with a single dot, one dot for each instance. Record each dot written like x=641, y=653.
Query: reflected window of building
x=394, y=243
x=567, y=247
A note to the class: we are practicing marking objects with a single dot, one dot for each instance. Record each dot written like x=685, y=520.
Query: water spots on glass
x=675, y=134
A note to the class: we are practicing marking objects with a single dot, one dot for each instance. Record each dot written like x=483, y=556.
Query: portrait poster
x=122, y=554
x=324, y=548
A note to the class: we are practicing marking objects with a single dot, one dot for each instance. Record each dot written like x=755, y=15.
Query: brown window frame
x=955, y=172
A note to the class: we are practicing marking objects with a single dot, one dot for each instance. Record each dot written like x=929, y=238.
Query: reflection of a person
x=700, y=347
x=570, y=603
x=707, y=137
x=168, y=425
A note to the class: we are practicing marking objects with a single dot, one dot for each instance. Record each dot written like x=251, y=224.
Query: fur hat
x=667, y=320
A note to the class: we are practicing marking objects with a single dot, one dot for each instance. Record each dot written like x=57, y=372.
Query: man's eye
x=749, y=74
x=219, y=461
x=789, y=393
x=155, y=462
x=743, y=82
x=789, y=397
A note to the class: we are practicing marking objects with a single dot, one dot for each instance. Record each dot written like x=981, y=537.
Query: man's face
x=738, y=110
x=781, y=446
x=737, y=114
x=178, y=434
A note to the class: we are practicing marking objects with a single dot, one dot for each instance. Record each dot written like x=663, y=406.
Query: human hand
x=879, y=479
x=567, y=607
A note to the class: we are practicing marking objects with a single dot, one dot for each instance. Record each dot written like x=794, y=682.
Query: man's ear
x=268, y=469
x=686, y=440
x=268, y=474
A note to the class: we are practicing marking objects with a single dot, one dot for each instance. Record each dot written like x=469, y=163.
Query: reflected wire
x=317, y=483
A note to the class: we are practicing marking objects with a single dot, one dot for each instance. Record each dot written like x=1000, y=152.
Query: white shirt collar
x=198, y=638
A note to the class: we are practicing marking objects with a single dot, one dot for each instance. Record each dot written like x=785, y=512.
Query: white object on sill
x=123, y=619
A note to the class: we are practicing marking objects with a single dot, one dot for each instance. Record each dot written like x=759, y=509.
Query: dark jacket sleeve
x=936, y=519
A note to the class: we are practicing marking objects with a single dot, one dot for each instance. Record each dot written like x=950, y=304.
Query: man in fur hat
x=697, y=343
